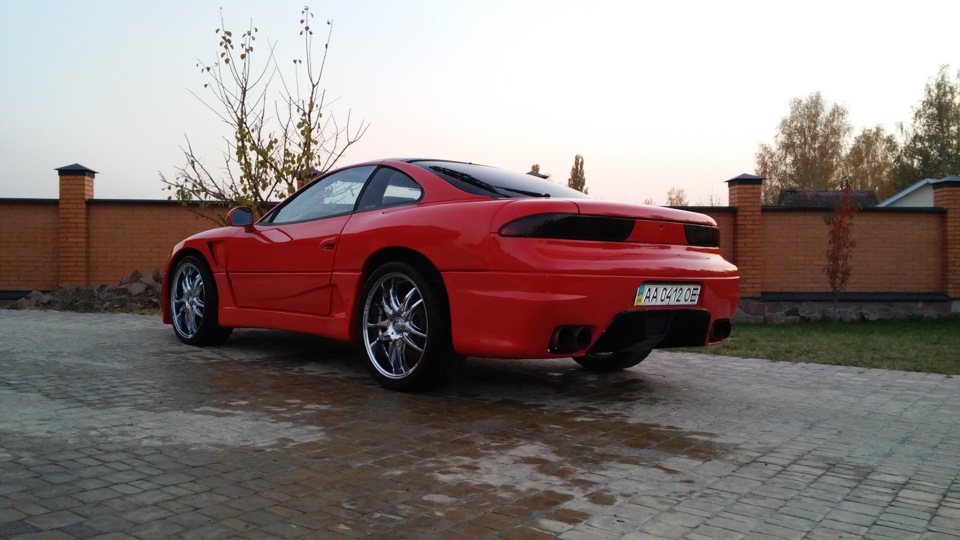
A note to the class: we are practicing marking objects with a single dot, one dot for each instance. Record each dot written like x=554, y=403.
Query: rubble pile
x=136, y=292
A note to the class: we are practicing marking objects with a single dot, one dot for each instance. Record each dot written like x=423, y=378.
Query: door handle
x=328, y=245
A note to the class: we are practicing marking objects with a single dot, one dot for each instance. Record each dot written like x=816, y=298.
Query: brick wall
x=81, y=240
x=136, y=235
x=896, y=251
x=28, y=245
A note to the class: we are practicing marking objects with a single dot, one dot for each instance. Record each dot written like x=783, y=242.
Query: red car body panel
x=506, y=294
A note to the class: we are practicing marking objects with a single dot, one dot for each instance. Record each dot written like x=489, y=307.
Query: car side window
x=389, y=187
x=331, y=196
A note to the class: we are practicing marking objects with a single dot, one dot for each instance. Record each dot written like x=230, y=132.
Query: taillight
x=566, y=226
x=702, y=235
x=570, y=227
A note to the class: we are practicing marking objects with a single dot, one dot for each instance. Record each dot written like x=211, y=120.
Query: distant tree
x=281, y=135
x=535, y=168
x=808, y=149
x=577, y=180
x=931, y=142
x=869, y=162
x=840, y=244
x=676, y=197
x=650, y=201
x=712, y=200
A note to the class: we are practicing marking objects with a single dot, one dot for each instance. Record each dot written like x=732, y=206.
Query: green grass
x=927, y=346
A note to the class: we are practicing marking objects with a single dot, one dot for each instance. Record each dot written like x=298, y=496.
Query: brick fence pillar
x=76, y=188
x=744, y=194
x=946, y=194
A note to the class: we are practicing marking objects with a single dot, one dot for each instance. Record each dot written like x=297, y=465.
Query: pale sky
x=652, y=94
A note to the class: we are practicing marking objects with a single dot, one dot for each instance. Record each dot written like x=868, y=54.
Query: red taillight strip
x=657, y=232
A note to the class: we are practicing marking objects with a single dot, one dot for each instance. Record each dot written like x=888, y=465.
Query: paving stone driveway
x=109, y=427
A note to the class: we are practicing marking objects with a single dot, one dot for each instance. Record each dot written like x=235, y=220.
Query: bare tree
x=712, y=200
x=283, y=133
x=676, y=197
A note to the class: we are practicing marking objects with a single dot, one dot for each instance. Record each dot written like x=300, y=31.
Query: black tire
x=194, y=303
x=612, y=361
x=405, y=328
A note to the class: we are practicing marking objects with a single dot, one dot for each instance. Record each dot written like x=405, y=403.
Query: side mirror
x=240, y=216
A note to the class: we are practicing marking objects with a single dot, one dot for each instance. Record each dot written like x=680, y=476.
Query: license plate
x=667, y=294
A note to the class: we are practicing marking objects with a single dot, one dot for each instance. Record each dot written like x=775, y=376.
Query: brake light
x=570, y=227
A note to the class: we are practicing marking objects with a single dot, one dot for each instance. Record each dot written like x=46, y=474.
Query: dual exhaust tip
x=571, y=339
x=568, y=339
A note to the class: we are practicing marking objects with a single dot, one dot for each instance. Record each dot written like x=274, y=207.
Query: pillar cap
x=746, y=180
x=949, y=181
x=76, y=170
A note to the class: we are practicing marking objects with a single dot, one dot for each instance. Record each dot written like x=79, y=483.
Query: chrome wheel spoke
x=405, y=306
x=392, y=297
x=411, y=329
x=191, y=321
x=397, y=359
x=385, y=303
x=409, y=342
x=408, y=312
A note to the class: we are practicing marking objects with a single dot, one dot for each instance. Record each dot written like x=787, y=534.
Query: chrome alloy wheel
x=186, y=300
x=395, y=325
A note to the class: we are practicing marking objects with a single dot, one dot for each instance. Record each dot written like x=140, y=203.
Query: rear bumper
x=513, y=314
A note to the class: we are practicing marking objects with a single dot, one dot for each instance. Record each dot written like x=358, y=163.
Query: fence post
x=76, y=188
x=946, y=195
x=744, y=194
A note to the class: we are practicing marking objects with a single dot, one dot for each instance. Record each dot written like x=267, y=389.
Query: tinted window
x=389, y=187
x=483, y=180
x=332, y=195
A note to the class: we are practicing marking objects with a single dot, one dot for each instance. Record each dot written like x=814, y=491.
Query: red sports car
x=425, y=262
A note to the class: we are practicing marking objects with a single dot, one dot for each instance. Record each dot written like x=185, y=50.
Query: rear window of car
x=484, y=180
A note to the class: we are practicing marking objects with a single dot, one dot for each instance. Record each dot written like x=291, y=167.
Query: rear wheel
x=405, y=328
x=611, y=361
x=193, y=303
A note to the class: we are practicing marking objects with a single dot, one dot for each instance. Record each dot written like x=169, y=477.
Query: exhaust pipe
x=567, y=339
x=582, y=337
x=721, y=330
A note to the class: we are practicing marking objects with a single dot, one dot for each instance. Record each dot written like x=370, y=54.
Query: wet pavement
x=111, y=428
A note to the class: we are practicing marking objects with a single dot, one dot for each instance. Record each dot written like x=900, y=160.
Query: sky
x=653, y=95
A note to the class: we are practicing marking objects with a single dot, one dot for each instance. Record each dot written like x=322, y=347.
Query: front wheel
x=611, y=361
x=405, y=328
x=193, y=304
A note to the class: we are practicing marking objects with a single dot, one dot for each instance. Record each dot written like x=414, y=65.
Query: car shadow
x=490, y=378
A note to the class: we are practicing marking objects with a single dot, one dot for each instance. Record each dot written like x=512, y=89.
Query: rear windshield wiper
x=523, y=192
x=476, y=182
x=467, y=179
